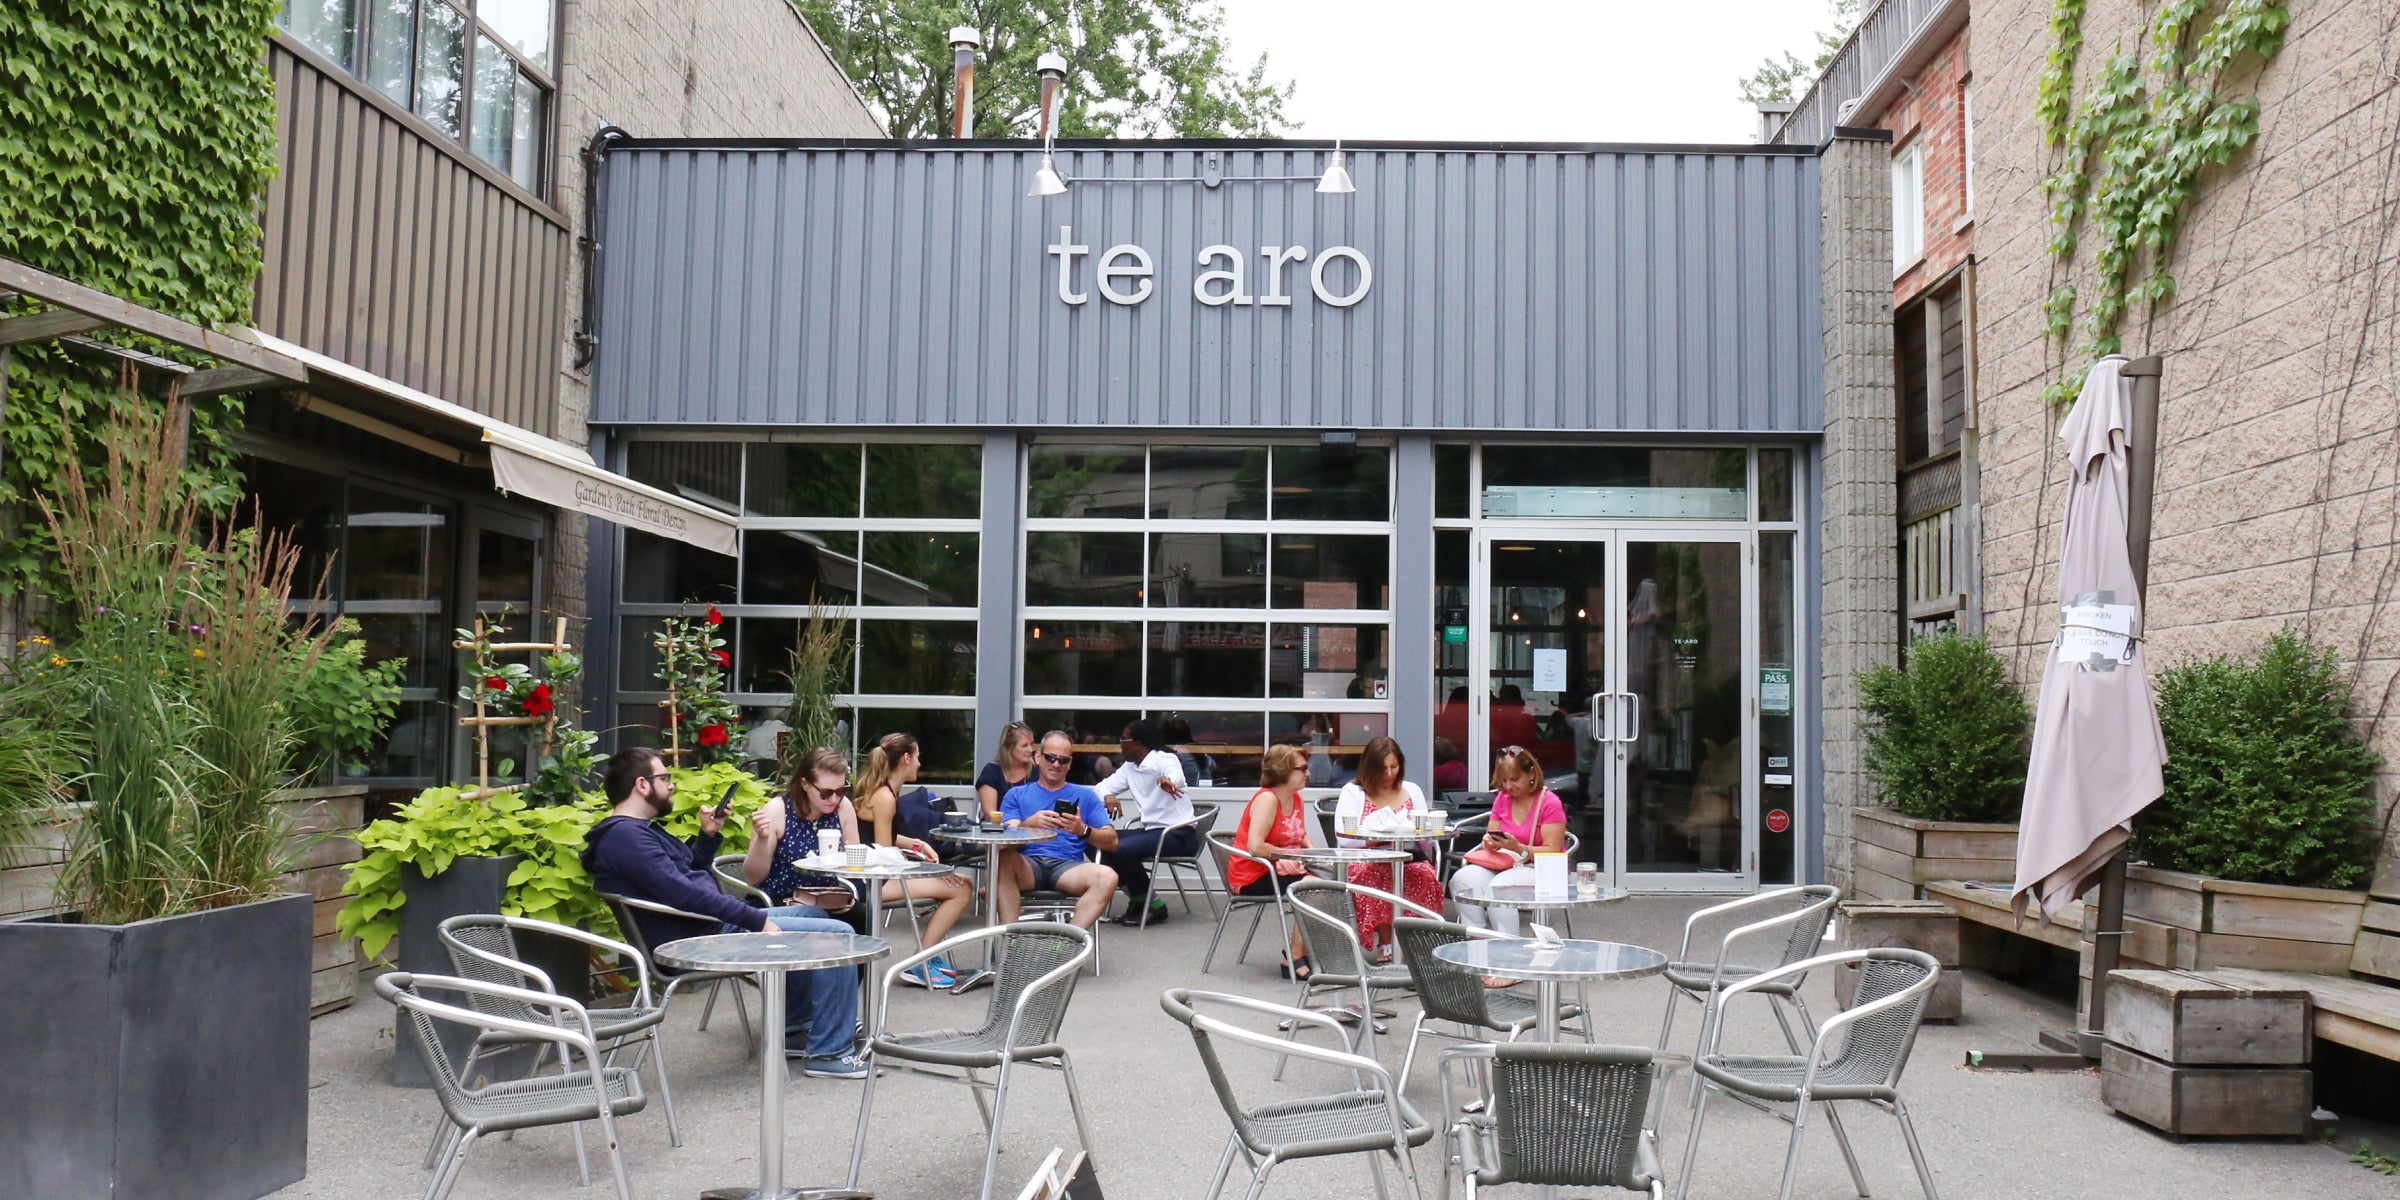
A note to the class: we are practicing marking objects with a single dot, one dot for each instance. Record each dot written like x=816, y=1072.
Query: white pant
x=1474, y=878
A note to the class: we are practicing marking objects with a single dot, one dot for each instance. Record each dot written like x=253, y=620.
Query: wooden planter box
x=322, y=822
x=2201, y=922
x=1926, y=925
x=1894, y=856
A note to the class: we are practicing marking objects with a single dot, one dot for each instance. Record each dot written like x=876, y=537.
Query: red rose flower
x=495, y=683
x=715, y=617
x=712, y=735
x=538, y=702
x=720, y=658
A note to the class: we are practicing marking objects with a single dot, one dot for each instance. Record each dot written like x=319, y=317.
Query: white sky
x=1521, y=70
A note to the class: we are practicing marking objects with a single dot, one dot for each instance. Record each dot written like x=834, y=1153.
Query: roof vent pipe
x=1046, y=180
x=964, y=42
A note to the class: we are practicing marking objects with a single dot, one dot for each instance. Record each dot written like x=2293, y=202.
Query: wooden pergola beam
x=110, y=310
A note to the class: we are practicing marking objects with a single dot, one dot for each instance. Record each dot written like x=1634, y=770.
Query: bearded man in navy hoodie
x=628, y=854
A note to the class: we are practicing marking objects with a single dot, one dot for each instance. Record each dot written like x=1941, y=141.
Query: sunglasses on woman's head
x=1058, y=759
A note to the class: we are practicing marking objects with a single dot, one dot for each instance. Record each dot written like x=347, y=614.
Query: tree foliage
x=1948, y=739
x=1784, y=78
x=1135, y=68
x=2265, y=782
x=135, y=138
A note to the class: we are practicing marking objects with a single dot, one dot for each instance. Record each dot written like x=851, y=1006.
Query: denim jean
x=1131, y=858
x=825, y=1001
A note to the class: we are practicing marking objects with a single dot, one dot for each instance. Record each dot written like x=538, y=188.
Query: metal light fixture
x=1046, y=180
x=1336, y=181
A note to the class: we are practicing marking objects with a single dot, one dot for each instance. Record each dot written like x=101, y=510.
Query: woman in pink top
x=1526, y=816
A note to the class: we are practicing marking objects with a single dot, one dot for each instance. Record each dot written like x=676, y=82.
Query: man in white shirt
x=1151, y=781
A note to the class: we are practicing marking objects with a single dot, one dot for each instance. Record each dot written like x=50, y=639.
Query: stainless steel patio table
x=1399, y=865
x=993, y=842
x=1342, y=856
x=875, y=876
x=1522, y=896
x=770, y=954
x=1571, y=961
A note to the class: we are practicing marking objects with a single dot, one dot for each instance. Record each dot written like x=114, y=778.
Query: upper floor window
x=480, y=71
x=1908, y=207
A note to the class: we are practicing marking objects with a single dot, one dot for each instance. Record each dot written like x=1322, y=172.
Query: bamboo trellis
x=483, y=722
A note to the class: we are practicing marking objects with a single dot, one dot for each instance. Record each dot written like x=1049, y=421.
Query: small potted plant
x=1947, y=740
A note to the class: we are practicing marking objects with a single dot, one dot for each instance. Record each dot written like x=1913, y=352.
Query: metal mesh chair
x=591, y=1091
x=1221, y=847
x=483, y=947
x=623, y=908
x=1329, y=930
x=1799, y=914
x=1469, y=829
x=1173, y=865
x=1038, y=964
x=1858, y=1055
x=1447, y=993
x=1553, y=1114
x=1372, y=1118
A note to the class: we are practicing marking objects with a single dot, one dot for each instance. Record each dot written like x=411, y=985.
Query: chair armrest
x=641, y=961
x=1398, y=903
x=1693, y=921
x=389, y=985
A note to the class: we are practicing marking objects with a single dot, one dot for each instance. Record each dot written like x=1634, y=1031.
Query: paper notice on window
x=1549, y=670
x=2095, y=632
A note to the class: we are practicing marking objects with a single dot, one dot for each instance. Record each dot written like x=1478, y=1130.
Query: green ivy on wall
x=135, y=140
x=2134, y=147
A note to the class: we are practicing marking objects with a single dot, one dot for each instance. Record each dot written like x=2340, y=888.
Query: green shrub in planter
x=2265, y=783
x=1948, y=734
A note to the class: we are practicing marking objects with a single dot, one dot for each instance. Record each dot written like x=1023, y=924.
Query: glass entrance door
x=1622, y=658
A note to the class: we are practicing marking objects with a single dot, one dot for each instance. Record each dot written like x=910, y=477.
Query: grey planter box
x=471, y=885
x=161, y=1058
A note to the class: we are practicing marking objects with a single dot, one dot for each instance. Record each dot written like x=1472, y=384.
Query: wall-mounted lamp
x=1336, y=180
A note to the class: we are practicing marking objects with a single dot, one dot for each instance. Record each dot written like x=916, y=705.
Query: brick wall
x=2280, y=419
x=656, y=68
x=1932, y=116
x=1861, y=626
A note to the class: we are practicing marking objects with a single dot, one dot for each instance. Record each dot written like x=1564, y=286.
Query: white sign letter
x=1110, y=272
x=1276, y=256
x=1067, y=252
x=1236, y=293
x=1316, y=276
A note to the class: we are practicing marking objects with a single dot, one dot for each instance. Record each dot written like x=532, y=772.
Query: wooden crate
x=2206, y=1101
x=2192, y=1019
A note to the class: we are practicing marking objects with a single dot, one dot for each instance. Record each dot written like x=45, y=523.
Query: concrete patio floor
x=1159, y=1128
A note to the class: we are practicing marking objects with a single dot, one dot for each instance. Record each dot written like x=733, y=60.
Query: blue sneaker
x=942, y=971
x=929, y=974
x=837, y=1066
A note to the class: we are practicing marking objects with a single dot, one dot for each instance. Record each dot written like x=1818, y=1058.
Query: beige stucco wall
x=675, y=68
x=2280, y=423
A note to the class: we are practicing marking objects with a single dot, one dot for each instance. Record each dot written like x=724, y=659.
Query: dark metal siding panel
x=1608, y=290
x=387, y=251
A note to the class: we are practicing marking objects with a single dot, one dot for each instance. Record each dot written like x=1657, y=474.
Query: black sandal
x=1298, y=969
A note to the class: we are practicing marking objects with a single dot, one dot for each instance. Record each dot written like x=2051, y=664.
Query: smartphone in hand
x=725, y=802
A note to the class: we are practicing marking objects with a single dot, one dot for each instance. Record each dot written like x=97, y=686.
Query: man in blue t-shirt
x=1057, y=865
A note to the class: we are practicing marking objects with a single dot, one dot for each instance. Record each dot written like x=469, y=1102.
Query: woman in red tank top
x=1274, y=819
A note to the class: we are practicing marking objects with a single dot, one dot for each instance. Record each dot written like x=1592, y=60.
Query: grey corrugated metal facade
x=1605, y=289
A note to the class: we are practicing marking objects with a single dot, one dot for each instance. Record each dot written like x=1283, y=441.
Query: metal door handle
x=1601, y=715
x=1633, y=718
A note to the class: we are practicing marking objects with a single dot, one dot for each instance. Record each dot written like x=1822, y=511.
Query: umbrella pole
x=2141, y=469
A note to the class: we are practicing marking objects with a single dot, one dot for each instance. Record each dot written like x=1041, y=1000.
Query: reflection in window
x=938, y=569
x=763, y=658
x=1208, y=483
x=797, y=566
x=1075, y=569
x=803, y=479
x=945, y=740
x=919, y=658
x=1327, y=662
x=1336, y=483
x=1451, y=465
x=1084, y=481
x=1334, y=741
x=1206, y=658
x=705, y=473
x=1083, y=658
x=441, y=66
x=1207, y=570
x=1616, y=481
x=1332, y=570
x=664, y=571
x=906, y=480
x=1774, y=484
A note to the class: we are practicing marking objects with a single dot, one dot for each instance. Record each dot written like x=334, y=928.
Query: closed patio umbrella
x=2097, y=750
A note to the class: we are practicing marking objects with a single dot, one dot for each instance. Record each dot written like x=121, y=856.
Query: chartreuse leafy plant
x=345, y=703
x=1948, y=734
x=135, y=140
x=2265, y=782
x=550, y=884
x=2132, y=152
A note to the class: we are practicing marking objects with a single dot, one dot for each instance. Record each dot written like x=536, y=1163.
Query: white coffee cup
x=857, y=855
x=1436, y=820
x=829, y=843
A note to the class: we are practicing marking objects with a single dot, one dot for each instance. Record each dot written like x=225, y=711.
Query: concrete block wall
x=1861, y=567
x=656, y=68
x=2280, y=414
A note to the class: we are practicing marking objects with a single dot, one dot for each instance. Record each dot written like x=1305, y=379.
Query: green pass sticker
x=1775, y=691
x=1454, y=635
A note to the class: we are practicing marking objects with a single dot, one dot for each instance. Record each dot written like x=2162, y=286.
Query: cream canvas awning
x=525, y=463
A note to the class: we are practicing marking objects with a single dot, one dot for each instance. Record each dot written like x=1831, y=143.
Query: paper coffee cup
x=857, y=855
x=829, y=844
x=1435, y=821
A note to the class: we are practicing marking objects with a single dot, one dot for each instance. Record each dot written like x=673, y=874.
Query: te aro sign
x=1125, y=274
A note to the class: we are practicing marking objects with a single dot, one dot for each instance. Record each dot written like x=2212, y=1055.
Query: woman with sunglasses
x=1274, y=819
x=781, y=834
x=1526, y=816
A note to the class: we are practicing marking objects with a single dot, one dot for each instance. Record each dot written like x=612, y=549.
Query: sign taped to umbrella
x=2097, y=750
